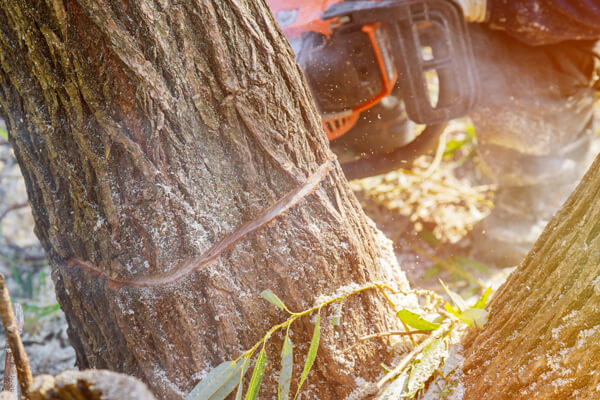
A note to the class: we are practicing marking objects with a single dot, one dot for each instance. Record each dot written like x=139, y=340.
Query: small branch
x=12, y=207
x=385, y=334
x=11, y=382
x=393, y=333
x=14, y=339
x=31, y=254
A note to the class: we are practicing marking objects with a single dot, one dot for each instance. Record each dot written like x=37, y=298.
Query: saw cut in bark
x=176, y=168
x=542, y=339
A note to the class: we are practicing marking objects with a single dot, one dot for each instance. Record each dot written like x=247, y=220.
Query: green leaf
x=273, y=299
x=312, y=353
x=453, y=145
x=416, y=321
x=257, y=375
x=433, y=271
x=483, y=299
x=456, y=298
x=215, y=384
x=40, y=312
x=3, y=134
x=423, y=369
x=287, y=364
x=429, y=238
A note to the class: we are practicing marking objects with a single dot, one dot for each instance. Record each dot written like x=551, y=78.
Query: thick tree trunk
x=176, y=168
x=543, y=336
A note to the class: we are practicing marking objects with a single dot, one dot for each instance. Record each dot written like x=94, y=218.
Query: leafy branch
x=221, y=381
x=226, y=377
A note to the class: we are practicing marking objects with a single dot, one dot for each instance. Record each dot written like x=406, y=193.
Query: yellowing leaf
x=483, y=299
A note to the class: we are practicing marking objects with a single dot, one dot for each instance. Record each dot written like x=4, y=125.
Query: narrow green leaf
x=3, y=134
x=240, y=389
x=430, y=360
x=273, y=299
x=39, y=312
x=470, y=263
x=433, y=271
x=483, y=299
x=456, y=298
x=257, y=375
x=287, y=364
x=215, y=380
x=312, y=353
x=416, y=321
x=429, y=237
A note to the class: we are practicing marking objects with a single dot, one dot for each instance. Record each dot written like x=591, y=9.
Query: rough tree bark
x=176, y=168
x=542, y=339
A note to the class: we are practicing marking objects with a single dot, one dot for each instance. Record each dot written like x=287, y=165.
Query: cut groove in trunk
x=147, y=133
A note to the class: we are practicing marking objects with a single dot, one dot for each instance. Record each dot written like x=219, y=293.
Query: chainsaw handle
x=430, y=36
x=437, y=25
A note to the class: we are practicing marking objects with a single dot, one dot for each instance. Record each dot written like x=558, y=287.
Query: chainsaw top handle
x=429, y=38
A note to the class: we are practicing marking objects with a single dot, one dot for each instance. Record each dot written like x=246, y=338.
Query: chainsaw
x=360, y=55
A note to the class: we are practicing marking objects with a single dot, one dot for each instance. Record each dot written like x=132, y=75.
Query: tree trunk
x=176, y=167
x=543, y=335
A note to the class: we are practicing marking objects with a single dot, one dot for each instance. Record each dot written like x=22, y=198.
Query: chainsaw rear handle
x=428, y=36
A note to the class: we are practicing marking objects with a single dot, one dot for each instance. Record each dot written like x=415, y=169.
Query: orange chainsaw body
x=297, y=17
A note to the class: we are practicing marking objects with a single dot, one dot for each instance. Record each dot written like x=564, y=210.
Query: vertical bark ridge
x=544, y=327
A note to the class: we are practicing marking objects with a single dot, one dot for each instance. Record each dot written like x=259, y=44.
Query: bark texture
x=176, y=167
x=542, y=340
